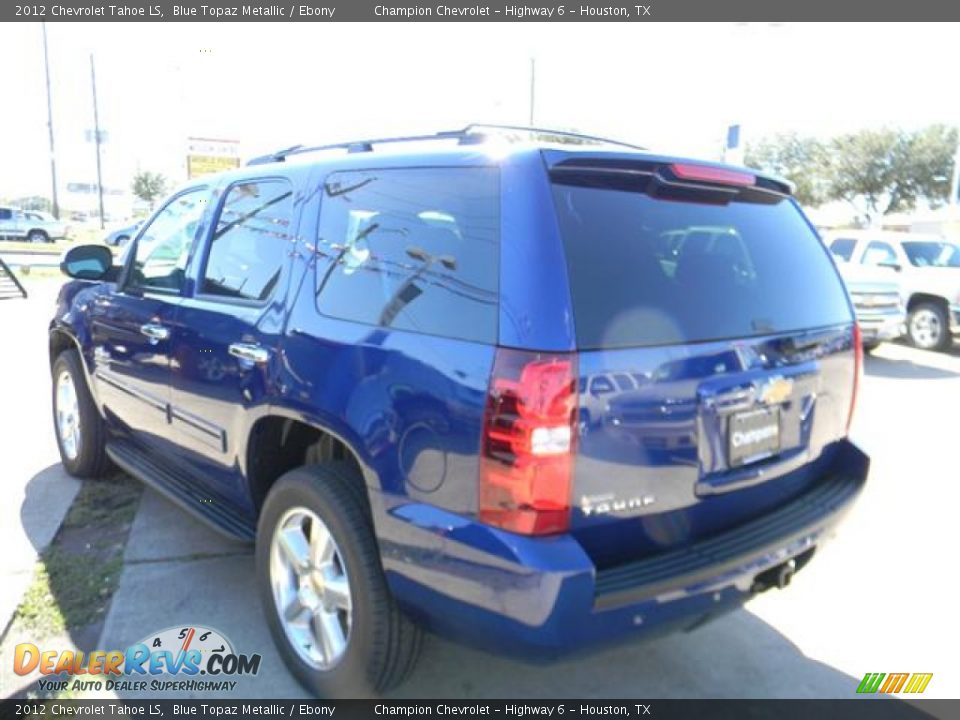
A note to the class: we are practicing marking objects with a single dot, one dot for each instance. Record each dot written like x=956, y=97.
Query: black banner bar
x=465, y=10
x=874, y=708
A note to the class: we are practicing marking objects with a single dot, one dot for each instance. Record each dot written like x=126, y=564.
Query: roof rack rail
x=466, y=136
x=274, y=156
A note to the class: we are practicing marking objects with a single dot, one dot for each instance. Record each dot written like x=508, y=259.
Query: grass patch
x=108, y=502
x=86, y=235
x=68, y=591
x=29, y=273
x=39, y=611
x=82, y=236
x=77, y=575
x=21, y=246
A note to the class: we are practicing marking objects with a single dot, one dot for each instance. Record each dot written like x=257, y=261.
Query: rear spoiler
x=10, y=287
x=669, y=176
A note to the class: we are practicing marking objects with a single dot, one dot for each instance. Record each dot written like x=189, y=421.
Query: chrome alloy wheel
x=926, y=330
x=68, y=416
x=311, y=590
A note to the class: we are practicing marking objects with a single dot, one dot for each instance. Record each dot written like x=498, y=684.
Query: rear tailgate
x=716, y=362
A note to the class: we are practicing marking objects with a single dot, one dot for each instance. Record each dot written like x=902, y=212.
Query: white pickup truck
x=30, y=225
x=927, y=268
x=878, y=302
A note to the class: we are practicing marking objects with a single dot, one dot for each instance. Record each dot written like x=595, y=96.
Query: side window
x=6, y=214
x=414, y=249
x=164, y=244
x=251, y=241
x=878, y=253
x=842, y=248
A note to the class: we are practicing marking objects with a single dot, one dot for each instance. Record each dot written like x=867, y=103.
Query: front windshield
x=933, y=254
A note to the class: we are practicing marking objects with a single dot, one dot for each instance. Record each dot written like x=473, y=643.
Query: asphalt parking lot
x=879, y=598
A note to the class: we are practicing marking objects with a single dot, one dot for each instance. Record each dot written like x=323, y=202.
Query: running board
x=181, y=491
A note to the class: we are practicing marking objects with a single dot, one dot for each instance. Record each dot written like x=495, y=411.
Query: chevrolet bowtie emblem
x=776, y=391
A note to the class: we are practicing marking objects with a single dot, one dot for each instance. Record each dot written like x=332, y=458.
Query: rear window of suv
x=647, y=271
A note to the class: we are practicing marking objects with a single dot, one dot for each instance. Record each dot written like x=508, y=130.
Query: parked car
x=929, y=268
x=30, y=225
x=121, y=236
x=369, y=362
x=877, y=301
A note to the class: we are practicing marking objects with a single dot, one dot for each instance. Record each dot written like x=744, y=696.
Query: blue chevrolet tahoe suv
x=534, y=396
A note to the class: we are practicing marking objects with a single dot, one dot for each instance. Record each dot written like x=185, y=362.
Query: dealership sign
x=206, y=156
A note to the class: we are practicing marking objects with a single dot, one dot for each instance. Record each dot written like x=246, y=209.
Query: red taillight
x=857, y=369
x=529, y=442
x=705, y=173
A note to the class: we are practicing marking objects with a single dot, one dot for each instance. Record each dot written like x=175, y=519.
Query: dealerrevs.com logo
x=181, y=659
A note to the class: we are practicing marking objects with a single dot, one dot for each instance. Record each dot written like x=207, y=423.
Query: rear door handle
x=249, y=352
x=155, y=332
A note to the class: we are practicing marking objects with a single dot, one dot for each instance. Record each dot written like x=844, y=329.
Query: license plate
x=753, y=435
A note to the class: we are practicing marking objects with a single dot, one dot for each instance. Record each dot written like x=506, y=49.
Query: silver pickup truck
x=30, y=225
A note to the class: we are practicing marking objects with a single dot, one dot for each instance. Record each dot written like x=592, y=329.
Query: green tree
x=885, y=171
x=34, y=202
x=801, y=160
x=149, y=186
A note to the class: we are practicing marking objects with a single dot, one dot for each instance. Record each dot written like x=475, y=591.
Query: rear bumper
x=539, y=597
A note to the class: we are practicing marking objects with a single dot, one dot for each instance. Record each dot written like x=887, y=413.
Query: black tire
x=91, y=459
x=919, y=340
x=383, y=644
x=38, y=236
x=869, y=347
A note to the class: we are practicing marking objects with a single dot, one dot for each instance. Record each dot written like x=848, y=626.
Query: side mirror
x=87, y=262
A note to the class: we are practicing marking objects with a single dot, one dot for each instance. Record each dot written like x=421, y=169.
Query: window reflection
x=412, y=249
x=251, y=241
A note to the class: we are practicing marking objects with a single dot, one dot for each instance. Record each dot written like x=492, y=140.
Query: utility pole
x=533, y=87
x=96, y=137
x=955, y=181
x=53, y=157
